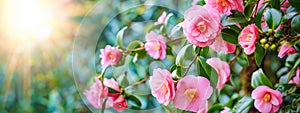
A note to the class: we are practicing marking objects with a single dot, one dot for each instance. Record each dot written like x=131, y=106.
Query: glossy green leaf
x=186, y=53
x=259, y=54
x=259, y=15
x=291, y=59
x=134, y=44
x=111, y=90
x=273, y=17
x=259, y=78
x=295, y=24
x=230, y=35
x=123, y=81
x=243, y=105
x=233, y=20
x=134, y=99
x=249, y=9
x=120, y=37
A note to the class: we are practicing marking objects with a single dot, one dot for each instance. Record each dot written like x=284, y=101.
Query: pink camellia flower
x=225, y=110
x=192, y=93
x=224, y=6
x=221, y=45
x=259, y=5
x=266, y=100
x=248, y=38
x=223, y=70
x=162, y=86
x=110, y=56
x=286, y=49
x=201, y=25
x=96, y=93
x=161, y=19
x=296, y=78
x=116, y=100
x=155, y=46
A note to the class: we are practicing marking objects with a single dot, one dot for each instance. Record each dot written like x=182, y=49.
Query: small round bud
x=263, y=41
x=270, y=31
x=266, y=46
x=273, y=47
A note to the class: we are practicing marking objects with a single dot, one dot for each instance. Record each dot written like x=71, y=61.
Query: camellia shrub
x=218, y=56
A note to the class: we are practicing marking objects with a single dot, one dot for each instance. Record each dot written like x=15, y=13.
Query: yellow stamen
x=249, y=37
x=190, y=94
x=267, y=97
x=156, y=47
x=224, y=3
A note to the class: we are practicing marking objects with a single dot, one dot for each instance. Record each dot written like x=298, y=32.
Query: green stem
x=189, y=66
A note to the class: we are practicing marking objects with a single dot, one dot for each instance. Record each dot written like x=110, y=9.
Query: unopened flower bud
x=263, y=41
x=266, y=46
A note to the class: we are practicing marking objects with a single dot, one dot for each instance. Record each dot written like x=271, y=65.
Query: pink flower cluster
x=202, y=26
x=98, y=91
x=191, y=92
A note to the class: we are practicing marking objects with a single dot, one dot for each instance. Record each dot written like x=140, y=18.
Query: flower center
x=267, y=97
x=190, y=94
x=223, y=2
x=156, y=47
x=249, y=37
x=110, y=56
x=201, y=27
x=165, y=88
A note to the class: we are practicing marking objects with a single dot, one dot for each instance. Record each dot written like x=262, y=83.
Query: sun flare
x=27, y=21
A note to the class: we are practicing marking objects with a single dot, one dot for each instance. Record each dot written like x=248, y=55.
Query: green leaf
x=243, y=105
x=111, y=90
x=134, y=99
x=185, y=53
x=216, y=108
x=123, y=81
x=275, y=4
x=259, y=78
x=291, y=59
x=295, y=4
x=230, y=35
x=249, y=9
x=273, y=17
x=134, y=44
x=204, y=51
x=259, y=54
x=295, y=24
x=259, y=15
x=120, y=37
x=104, y=104
x=154, y=27
x=233, y=20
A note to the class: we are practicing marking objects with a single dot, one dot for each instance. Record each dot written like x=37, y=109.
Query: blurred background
x=36, y=42
x=36, y=38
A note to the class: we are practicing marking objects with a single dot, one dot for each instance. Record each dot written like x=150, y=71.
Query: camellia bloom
x=223, y=70
x=192, y=93
x=201, y=25
x=266, y=100
x=110, y=56
x=248, y=38
x=296, y=78
x=224, y=6
x=116, y=100
x=96, y=93
x=286, y=49
x=155, y=46
x=162, y=86
x=225, y=110
x=221, y=45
